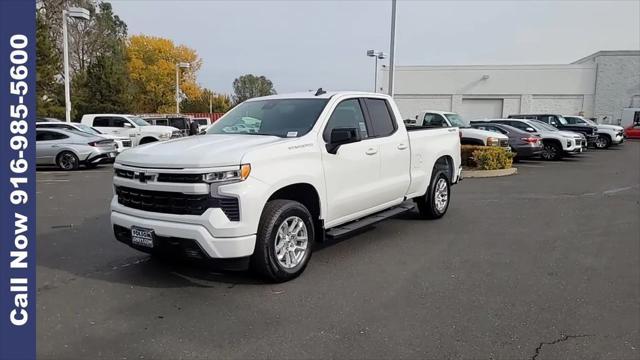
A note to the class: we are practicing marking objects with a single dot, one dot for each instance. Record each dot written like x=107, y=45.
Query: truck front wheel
x=284, y=240
x=434, y=204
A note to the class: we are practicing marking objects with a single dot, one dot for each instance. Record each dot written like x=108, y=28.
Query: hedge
x=486, y=157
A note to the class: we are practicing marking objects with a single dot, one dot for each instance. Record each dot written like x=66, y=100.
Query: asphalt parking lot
x=544, y=265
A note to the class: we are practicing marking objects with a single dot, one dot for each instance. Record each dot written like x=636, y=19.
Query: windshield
x=87, y=129
x=457, y=121
x=278, y=117
x=138, y=121
x=542, y=125
x=562, y=120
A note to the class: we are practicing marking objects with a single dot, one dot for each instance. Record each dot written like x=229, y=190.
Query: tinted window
x=348, y=114
x=178, y=123
x=119, y=122
x=381, y=121
x=434, y=120
x=101, y=121
x=49, y=135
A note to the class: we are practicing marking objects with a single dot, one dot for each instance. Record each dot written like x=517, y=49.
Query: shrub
x=492, y=158
x=466, y=155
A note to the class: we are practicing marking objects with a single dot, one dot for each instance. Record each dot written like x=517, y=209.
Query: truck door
x=395, y=155
x=352, y=173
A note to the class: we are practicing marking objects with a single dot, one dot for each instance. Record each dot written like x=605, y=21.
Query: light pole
x=392, y=50
x=76, y=13
x=180, y=65
x=377, y=55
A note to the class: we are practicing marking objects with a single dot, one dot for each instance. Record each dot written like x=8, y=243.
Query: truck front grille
x=176, y=203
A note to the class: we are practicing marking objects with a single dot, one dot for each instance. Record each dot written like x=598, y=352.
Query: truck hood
x=158, y=129
x=481, y=134
x=195, y=151
x=610, y=127
x=570, y=134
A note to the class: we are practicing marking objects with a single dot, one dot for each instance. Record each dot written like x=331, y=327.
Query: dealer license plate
x=142, y=237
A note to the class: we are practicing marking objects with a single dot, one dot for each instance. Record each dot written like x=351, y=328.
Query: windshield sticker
x=292, y=134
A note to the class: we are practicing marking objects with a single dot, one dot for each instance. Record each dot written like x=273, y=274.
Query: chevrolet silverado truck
x=314, y=166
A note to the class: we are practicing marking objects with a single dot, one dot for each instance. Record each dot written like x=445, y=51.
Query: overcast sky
x=302, y=45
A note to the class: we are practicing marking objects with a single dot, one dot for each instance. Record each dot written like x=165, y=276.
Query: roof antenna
x=320, y=92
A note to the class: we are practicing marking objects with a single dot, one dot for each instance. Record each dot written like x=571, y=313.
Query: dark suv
x=558, y=121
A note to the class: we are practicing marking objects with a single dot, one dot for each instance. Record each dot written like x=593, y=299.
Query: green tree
x=250, y=86
x=49, y=90
x=200, y=104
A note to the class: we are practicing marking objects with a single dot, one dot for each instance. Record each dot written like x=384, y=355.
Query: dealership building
x=598, y=86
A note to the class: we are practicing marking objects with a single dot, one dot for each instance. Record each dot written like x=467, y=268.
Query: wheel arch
x=302, y=192
x=147, y=139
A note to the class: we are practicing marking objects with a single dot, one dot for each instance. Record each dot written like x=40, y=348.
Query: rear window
x=101, y=122
x=381, y=120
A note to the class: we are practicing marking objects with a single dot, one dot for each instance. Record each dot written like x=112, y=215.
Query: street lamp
x=180, y=65
x=377, y=55
x=76, y=13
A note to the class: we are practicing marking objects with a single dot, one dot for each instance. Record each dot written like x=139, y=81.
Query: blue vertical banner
x=17, y=182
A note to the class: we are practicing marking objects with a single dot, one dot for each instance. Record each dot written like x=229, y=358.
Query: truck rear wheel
x=434, y=204
x=284, y=241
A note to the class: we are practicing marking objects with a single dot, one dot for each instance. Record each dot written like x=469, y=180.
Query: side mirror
x=127, y=125
x=342, y=136
x=530, y=129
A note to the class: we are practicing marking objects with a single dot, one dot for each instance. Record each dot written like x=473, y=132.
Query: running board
x=350, y=227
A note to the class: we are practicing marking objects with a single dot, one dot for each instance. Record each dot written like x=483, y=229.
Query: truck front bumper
x=184, y=235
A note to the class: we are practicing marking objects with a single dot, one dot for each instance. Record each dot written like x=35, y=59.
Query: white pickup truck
x=314, y=166
x=469, y=135
x=138, y=130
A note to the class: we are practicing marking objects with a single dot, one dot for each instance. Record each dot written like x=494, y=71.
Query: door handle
x=54, y=146
x=451, y=130
x=371, y=151
x=402, y=146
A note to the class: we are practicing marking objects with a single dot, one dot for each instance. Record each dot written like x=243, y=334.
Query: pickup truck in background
x=315, y=165
x=122, y=125
x=469, y=135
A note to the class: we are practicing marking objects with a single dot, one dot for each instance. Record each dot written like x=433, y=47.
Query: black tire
x=551, y=151
x=264, y=260
x=67, y=161
x=603, y=142
x=427, y=207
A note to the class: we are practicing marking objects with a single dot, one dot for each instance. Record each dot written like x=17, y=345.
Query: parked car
x=524, y=144
x=319, y=165
x=469, y=135
x=68, y=149
x=122, y=143
x=607, y=134
x=203, y=123
x=559, y=122
x=633, y=131
x=139, y=131
x=179, y=122
x=555, y=143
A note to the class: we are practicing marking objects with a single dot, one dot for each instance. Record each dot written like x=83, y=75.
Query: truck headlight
x=240, y=174
x=491, y=141
x=165, y=136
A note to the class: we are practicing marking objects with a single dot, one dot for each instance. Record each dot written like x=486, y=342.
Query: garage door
x=481, y=109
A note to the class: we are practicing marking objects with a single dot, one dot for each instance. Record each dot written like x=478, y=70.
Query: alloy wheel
x=291, y=242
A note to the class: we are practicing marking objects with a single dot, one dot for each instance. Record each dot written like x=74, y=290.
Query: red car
x=632, y=132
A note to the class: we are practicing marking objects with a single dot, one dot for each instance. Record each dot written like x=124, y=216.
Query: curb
x=488, y=173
